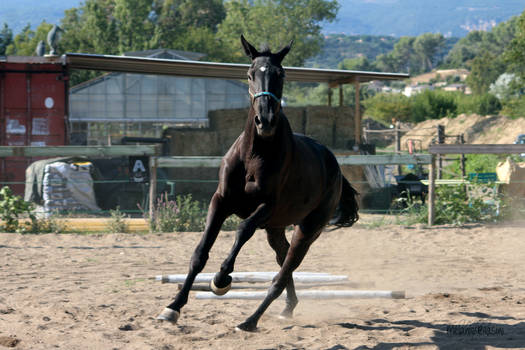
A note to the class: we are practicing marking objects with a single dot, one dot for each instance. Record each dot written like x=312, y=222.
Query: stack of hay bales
x=513, y=176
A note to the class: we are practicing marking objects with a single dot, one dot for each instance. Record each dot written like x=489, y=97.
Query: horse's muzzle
x=265, y=126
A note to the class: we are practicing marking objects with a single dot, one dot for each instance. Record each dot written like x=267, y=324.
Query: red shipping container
x=33, y=111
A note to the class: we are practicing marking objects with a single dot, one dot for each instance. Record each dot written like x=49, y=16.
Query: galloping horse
x=271, y=178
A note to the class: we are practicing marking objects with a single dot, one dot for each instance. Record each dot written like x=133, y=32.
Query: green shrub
x=514, y=107
x=384, y=107
x=454, y=206
x=486, y=104
x=231, y=223
x=117, y=223
x=13, y=208
x=475, y=163
x=183, y=214
x=433, y=105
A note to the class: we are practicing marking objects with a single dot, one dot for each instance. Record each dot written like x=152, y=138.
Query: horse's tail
x=346, y=213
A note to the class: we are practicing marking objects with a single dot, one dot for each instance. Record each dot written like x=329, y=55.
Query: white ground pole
x=254, y=277
x=310, y=294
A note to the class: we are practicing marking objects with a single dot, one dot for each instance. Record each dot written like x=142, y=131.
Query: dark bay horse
x=271, y=178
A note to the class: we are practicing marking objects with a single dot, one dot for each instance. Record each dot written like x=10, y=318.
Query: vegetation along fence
x=157, y=163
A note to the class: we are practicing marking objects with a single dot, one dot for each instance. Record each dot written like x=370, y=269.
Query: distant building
x=416, y=89
x=376, y=86
x=104, y=109
x=455, y=87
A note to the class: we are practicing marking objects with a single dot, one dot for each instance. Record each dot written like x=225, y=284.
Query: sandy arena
x=465, y=290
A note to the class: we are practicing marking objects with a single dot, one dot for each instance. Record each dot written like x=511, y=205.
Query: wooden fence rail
x=476, y=149
x=73, y=151
x=213, y=162
x=188, y=162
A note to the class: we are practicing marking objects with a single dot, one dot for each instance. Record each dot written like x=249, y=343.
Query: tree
x=485, y=69
x=276, y=22
x=359, y=63
x=476, y=42
x=426, y=47
x=6, y=38
x=92, y=28
x=403, y=55
x=24, y=43
x=383, y=107
x=188, y=25
x=515, y=52
x=386, y=63
x=134, y=24
x=503, y=87
x=413, y=54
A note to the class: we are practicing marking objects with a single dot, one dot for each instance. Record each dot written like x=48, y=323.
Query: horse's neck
x=276, y=148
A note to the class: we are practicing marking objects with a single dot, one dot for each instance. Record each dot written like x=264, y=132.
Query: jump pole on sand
x=310, y=294
x=256, y=277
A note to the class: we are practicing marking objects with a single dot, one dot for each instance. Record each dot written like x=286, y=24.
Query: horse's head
x=265, y=79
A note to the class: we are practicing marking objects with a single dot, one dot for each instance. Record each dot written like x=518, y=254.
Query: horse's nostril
x=257, y=120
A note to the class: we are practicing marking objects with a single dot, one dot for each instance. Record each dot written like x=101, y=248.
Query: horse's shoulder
x=306, y=141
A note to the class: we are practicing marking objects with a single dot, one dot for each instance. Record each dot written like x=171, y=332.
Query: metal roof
x=200, y=69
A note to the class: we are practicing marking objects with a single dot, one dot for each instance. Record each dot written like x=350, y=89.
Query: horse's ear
x=284, y=51
x=249, y=49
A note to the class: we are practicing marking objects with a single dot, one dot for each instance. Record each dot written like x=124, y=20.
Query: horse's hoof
x=168, y=315
x=286, y=315
x=246, y=327
x=219, y=291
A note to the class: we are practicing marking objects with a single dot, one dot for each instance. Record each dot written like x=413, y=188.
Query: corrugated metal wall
x=32, y=113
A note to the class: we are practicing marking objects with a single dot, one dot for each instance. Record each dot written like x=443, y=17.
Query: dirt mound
x=475, y=128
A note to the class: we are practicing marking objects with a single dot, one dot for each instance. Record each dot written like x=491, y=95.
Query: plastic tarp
x=69, y=187
x=63, y=184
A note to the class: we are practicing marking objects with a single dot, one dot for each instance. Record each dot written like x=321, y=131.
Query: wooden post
x=152, y=185
x=441, y=140
x=431, y=190
x=357, y=115
x=463, y=168
x=341, y=96
x=329, y=96
x=398, y=144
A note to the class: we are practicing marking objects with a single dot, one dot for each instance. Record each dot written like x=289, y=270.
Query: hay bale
x=320, y=124
x=297, y=118
x=513, y=175
x=345, y=126
x=183, y=142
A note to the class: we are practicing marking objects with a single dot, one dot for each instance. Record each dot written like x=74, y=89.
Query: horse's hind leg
x=277, y=240
x=216, y=216
x=300, y=244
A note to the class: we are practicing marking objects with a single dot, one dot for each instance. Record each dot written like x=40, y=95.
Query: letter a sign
x=138, y=169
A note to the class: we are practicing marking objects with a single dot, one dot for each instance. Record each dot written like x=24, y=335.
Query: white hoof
x=219, y=291
x=169, y=315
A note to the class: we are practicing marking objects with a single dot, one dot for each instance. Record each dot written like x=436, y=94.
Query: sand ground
x=465, y=290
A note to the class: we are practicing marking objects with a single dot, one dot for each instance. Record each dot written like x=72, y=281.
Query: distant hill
x=337, y=47
x=452, y=18
x=18, y=13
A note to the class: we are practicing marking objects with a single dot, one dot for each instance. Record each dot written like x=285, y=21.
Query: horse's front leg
x=217, y=213
x=221, y=283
